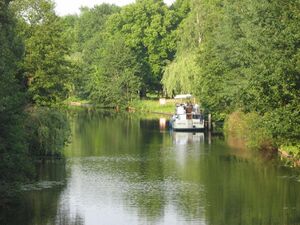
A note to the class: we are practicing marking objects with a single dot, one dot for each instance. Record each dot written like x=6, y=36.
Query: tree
x=45, y=66
x=245, y=56
x=90, y=22
x=243, y=64
x=82, y=32
x=114, y=80
x=147, y=29
x=14, y=163
x=180, y=75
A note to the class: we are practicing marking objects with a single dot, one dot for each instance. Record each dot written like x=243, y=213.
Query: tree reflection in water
x=39, y=203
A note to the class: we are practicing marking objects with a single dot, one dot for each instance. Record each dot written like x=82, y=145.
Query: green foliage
x=242, y=60
x=274, y=70
x=84, y=33
x=249, y=128
x=179, y=76
x=293, y=150
x=246, y=57
x=14, y=163
x=181, y=9
x=47, y=132
x=33, y=12
x=39, y=28
x=148, y=29
x=113, y=80
x=274, y=129
x=45, y=67
x=284, y=124
x=148, y=33
x=90, y=22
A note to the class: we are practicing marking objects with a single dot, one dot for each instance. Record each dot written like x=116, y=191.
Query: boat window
x=196, y=116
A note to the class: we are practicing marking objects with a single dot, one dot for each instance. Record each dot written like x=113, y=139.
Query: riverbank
x=166, y=106
x=290, y=154
x=253, y=131
x=145, y=106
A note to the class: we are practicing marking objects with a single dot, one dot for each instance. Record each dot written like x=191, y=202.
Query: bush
x=48, y=131
x=284, y=124
x=250, y=128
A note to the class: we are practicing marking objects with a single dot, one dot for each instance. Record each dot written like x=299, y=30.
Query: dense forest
x=241, y=59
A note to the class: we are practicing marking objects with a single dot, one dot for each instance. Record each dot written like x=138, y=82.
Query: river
x=126, y=169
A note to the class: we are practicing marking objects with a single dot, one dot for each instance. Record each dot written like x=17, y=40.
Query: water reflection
x=186, y=138
x=39, y=203
x=122, y=169
x=133, y=177
x=162, y=123
x=187, y=145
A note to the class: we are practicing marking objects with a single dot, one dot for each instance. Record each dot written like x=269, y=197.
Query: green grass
x=154, y=106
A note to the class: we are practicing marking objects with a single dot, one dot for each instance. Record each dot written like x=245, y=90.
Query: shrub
x=250, y=128
x=48, y=132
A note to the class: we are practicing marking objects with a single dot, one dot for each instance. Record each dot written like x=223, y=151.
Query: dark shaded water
x=121, y=169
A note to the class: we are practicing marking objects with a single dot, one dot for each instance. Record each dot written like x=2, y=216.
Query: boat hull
x=189, y=129
x=188, y=125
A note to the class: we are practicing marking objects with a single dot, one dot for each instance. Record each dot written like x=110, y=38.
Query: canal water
x=127, y=169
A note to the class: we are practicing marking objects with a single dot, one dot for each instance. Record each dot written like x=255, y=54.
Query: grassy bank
x=150, y=105
x=154, y=106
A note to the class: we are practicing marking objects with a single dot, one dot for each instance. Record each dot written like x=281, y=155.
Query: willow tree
x=181, y=73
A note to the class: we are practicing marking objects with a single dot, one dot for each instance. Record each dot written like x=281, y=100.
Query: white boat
x=188, y=116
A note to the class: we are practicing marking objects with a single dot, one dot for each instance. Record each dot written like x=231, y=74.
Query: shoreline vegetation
x=223, y=53
x=248, y=129
x=252, y=131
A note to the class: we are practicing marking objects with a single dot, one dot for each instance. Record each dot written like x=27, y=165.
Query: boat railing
x=192, y=113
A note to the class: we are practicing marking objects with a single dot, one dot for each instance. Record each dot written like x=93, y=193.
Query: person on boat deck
x=180, y=110
x=196, y=108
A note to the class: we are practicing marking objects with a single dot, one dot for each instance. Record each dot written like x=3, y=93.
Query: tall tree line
x=122, y=52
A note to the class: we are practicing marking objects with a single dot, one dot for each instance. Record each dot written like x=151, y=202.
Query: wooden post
x=209, y=122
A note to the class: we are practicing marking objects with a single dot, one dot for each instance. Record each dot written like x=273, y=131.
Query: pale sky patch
x=64, y=7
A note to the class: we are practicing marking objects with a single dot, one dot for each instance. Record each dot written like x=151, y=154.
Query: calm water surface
x=120, y=169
